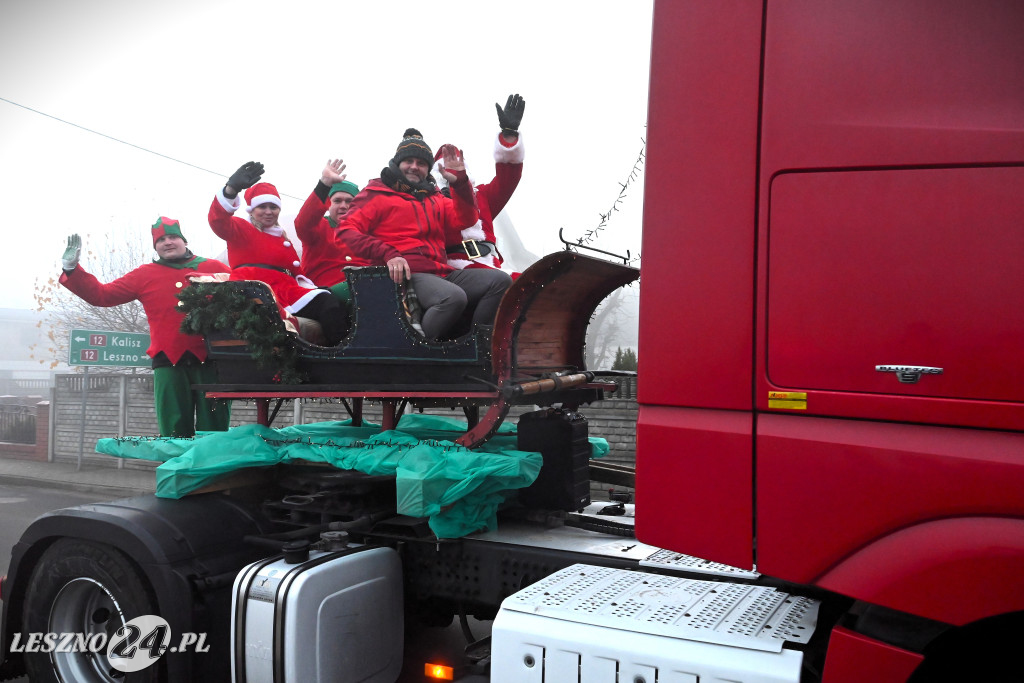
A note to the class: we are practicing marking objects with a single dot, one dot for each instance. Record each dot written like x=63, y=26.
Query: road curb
x=112, y=491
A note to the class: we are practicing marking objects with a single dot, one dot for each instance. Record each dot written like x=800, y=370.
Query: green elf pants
x=341, y=292
x=181, y=411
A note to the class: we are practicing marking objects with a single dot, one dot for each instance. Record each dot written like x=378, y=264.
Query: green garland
x=213, y=309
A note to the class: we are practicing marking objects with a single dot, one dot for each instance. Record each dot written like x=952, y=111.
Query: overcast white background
x=218, y=83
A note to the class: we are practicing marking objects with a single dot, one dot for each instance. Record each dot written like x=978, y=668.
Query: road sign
x=105, y=347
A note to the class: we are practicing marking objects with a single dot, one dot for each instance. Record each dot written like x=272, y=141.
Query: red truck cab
x=832, y=301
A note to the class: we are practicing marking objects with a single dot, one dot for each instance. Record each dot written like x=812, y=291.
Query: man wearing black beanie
x=401, y=219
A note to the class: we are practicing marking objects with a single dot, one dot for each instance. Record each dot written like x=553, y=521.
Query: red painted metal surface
x=313, y=393
x=694, y=470
x=487, y=424
x=693, y=467
x=696, y=305
x=901, y=238
x=883, y=511
x=388, y=417
x=953, y=570
x=262, y=411
x=855, y=658
x=872, y=215
x=875, y=83
x=912, y=274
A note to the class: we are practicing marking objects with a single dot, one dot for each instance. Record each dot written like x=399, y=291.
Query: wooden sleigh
x=533, y=355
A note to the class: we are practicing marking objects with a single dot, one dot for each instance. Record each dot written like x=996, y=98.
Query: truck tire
x=986, y=651
x=87, y=588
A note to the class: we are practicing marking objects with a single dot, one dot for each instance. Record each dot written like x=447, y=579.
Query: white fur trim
x=210, y=277
x=509, y=155
x=296, y=307
x=275, y=230
x=441, y=180
x=229, y=205
x=474, y=232
x=436, y=172
x=263, y=199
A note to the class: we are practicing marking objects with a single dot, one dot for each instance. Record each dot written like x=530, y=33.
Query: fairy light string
x=592, y=235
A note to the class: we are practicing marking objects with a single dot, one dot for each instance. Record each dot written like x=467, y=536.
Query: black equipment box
x=562, y=439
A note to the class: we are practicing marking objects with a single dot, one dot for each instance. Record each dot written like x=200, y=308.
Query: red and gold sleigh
x=533, y=355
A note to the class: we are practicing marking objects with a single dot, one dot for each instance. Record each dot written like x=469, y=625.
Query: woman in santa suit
x=179, y=360
x=260, y=249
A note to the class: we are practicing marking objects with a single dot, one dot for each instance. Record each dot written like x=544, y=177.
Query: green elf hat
x=166, y=226
x=344, y=186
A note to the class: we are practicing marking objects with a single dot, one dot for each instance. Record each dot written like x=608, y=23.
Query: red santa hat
x=439, y=165
x=261, y=193
x=440, y=151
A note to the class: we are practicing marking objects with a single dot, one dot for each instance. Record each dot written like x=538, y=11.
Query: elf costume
x=179, y=360
x=323, y=255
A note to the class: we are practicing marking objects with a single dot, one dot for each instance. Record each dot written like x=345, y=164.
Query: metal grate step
x=738, y=615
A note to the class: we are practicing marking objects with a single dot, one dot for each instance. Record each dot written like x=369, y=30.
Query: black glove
x=247, y=175
x=511, y=116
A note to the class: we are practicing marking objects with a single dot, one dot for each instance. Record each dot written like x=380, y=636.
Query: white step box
x=590, y=624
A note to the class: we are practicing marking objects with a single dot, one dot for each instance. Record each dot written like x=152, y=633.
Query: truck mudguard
x=188, y=550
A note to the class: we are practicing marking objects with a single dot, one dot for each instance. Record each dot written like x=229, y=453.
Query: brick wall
x=32, y=451
x=42, y=431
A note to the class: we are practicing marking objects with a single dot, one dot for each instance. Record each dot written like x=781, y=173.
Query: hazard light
x=439, y=672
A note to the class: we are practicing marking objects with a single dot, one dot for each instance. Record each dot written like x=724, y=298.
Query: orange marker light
x=439, y=672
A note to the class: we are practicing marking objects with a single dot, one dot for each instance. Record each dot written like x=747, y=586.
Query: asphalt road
x=19, y=505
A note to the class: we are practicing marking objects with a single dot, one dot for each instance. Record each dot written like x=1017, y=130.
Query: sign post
x=104, y=348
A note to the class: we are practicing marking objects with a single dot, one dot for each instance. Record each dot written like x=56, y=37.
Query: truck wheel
x=986, y=651
x=81, y=587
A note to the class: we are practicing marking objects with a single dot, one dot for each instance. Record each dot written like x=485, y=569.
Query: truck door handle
x=909, y=374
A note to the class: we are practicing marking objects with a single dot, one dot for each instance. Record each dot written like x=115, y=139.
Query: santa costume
x=268, y=255
x=478, y=246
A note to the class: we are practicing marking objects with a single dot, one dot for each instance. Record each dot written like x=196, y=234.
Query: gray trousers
x=445, y=298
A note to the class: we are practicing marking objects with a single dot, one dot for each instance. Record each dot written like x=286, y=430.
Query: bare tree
x=613, y=325
x=62, y=311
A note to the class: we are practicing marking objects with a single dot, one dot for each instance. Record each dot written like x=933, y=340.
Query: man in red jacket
x=403, y=220
x=179, y=360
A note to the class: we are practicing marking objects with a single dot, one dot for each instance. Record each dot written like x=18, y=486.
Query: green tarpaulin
x=457, y=489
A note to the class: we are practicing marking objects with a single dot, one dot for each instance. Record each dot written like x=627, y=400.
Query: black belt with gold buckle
x=473, y=249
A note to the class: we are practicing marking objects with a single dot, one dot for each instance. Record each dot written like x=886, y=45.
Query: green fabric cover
x=457, y=489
